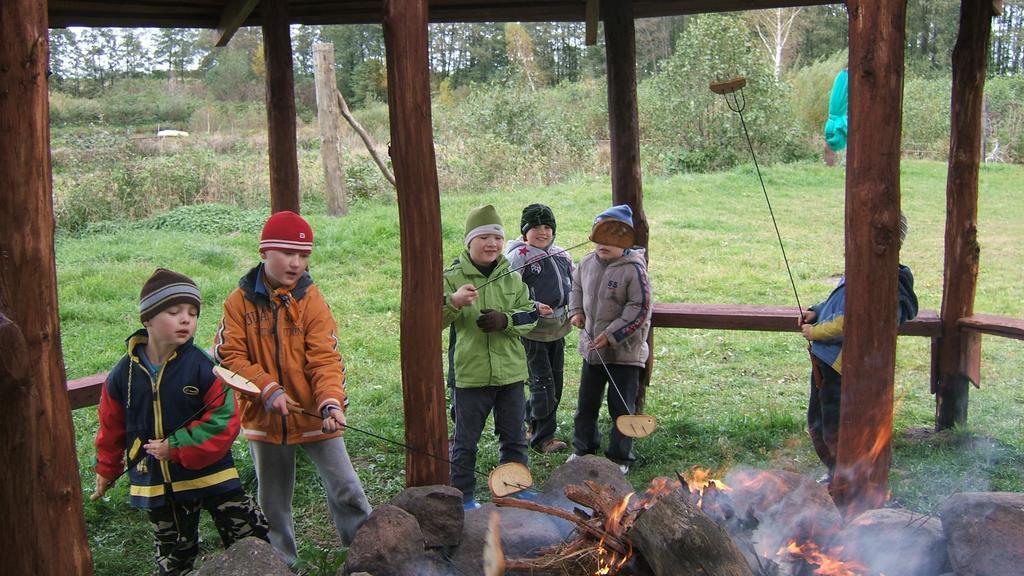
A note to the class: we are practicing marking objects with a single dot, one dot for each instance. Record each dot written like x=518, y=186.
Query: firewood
x=610, y=540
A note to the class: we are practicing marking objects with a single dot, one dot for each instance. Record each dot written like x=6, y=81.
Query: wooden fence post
x=330, y=128
x=42, y=521
x=419, y=216
x=877, y=31
x=960, y=352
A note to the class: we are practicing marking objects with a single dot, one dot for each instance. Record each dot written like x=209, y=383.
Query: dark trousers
x=593, y=379
x=176, y=527
x=823, y=413
x=470, y=407
x=545, y=361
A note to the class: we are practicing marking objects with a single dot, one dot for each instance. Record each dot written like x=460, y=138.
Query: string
x=737, y=106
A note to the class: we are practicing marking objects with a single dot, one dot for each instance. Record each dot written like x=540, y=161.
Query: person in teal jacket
x=487, y=361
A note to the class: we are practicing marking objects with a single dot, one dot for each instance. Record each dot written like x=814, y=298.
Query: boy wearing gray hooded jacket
x=611, y=303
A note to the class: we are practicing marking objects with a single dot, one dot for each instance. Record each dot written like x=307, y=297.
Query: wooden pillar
x=960, y=352
x=41, y=499
x=328, y=117
x=277, y=53
x=877, y=31
x=419, y=216
x=623, y=120
x=624, y=133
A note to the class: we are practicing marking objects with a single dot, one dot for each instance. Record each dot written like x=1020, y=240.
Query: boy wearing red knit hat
x=278, y=332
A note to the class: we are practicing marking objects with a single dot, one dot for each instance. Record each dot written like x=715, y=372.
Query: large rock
x=247, y=557
x=389, y=543
x=787, y=506
x=438, y=510
x=594, y=468
x=985, y=533
x=895, y=542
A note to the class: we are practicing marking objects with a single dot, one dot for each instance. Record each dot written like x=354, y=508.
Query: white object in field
x=172, y=133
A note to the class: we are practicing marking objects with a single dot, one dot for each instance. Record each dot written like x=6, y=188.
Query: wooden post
x=419, y=216
x=877, y=31
x=624, y=133
x=960, y=352
x=330, y=128
x=42, y=520
x=284, y=160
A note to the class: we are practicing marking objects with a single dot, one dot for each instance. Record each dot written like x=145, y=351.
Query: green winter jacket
x=482, y=358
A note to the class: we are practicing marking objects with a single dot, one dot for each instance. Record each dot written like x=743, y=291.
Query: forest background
x=514, y=104
x=520, y=115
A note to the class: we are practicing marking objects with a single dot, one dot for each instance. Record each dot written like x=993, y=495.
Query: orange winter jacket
x=282, y=340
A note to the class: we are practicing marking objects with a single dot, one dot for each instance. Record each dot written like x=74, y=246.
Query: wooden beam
x=419, y=215
x=232, y=17
x=592, y=21
x=624, y=133
x=327, y=115
x=42, y=520
x=877, y=32
x=762, y=318
x=996, y=325
x=284, y=159
x=960, y=354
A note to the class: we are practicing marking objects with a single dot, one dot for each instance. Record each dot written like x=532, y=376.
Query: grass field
x=722, y=399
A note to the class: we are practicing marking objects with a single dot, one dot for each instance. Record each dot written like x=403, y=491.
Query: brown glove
x=492, y=320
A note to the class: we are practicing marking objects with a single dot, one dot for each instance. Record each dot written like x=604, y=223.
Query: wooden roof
x=215, y=13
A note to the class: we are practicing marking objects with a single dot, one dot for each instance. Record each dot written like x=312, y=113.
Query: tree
x=519, y=46
x=133, y=54
x=303, y=38
x=773, y=28
x=65, y=57
x=178, y=49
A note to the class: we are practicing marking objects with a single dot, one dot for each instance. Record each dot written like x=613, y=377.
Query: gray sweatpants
x=275, y=473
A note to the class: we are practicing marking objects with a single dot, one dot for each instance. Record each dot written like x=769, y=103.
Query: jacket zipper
x=158, y=416
x=280, y=381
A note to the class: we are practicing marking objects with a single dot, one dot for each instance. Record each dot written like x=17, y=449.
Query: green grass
x=721, y=398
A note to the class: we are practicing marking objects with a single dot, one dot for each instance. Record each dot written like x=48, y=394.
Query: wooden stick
x=610, y=540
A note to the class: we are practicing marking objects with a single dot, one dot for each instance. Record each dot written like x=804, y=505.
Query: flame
x=609, y=561
x=828, y=564
x=659, y=487
x=700, y=478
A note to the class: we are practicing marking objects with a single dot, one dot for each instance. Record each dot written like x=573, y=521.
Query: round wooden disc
x=509, y=478
x=636, y=425
x=236, y=381
x=728, y=86
x=613, y=233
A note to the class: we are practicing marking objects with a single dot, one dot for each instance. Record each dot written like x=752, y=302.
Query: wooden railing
x=84, y=392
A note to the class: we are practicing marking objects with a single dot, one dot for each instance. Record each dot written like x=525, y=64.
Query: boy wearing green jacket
x=486, y=357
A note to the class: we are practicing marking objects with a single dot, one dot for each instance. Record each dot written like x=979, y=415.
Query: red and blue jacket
x=136, y=405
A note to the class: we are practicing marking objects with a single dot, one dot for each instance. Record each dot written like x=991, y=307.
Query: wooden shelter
x=42, y=500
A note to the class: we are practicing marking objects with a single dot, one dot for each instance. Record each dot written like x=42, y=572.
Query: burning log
x=674, y=537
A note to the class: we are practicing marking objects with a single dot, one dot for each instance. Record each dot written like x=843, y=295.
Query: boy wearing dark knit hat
x=486, y=359
x=822, y=326
x=547, y=271
x=611, y=303
x=163, y=403
x=278, y=332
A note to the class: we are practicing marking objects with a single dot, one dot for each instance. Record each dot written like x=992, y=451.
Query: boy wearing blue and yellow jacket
x=163, y=403
x=487, y=361
x=822, y=325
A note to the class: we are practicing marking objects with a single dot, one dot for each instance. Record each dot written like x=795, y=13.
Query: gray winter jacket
x=615, y=298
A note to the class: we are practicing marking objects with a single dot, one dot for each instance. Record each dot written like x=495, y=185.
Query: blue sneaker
x=470, y=505
x=527, y=494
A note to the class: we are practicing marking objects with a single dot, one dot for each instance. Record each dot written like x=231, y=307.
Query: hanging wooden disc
x=236, y=381
x=613, y=232
x=636, y=425
x=509, y=478
x=728, y=86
